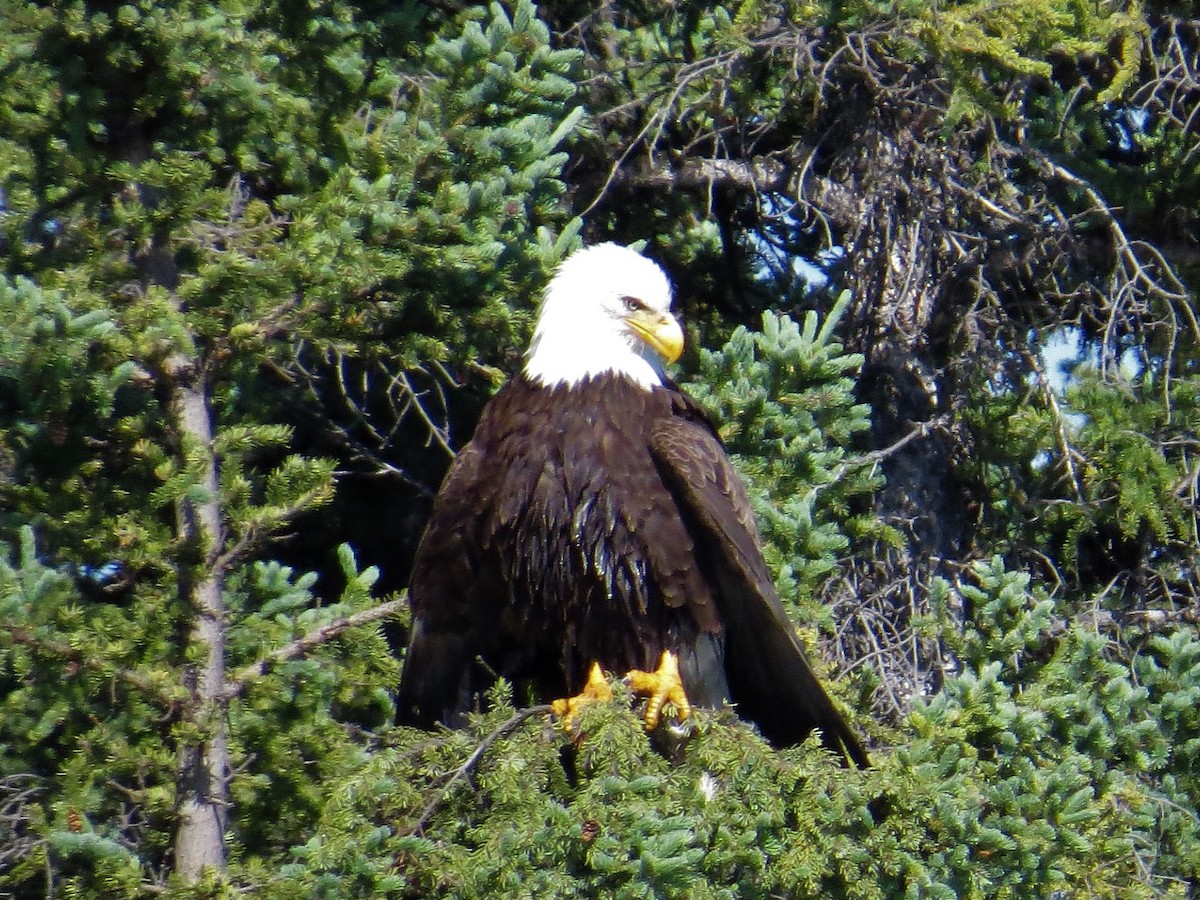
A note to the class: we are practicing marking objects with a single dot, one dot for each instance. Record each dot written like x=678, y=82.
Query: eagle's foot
x=595, y=691
x=662, y=686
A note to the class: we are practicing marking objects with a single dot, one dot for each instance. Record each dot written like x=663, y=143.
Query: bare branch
x=1069, y=453
x=920, y=429
x=18, y=794
x=366, y=405
x=1106, y=620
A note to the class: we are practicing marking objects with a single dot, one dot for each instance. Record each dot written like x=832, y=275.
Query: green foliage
x=784, y=401
x=1029, y=773
x=1066, y=727
x=983, y=44
x=99, y=726
x=295, y=729
x=1105, y=473
x=1121, y=434
x=450, y=174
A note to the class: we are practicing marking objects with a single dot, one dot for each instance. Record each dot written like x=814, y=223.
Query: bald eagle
x=594, y=517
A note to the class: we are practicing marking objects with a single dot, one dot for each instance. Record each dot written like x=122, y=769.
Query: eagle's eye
x=633, y=304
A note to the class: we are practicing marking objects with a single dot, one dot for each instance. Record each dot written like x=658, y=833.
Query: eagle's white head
x=607, y=310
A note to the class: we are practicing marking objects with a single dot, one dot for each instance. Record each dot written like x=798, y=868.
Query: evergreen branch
x=74, y=656
x=505, y=728
x=305, y=645
x=254, y=534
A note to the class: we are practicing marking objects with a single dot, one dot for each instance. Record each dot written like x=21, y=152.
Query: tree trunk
x=202, y=785
x=203, y=794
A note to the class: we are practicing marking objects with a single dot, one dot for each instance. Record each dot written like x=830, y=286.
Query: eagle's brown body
x=602, y=521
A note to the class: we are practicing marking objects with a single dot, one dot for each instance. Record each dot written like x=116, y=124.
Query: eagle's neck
x=552, y=361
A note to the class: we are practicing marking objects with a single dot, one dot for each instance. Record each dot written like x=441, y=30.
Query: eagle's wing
x=769, y=678
x=434, y=682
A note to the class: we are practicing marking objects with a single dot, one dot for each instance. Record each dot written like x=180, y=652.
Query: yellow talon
x=661, y=686
x=595, y=691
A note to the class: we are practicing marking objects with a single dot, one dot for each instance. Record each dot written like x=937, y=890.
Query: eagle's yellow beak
x=660, y=330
